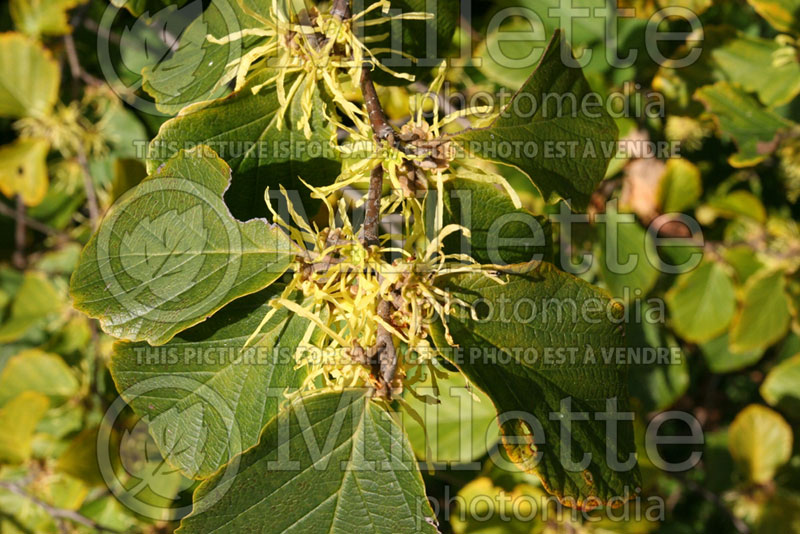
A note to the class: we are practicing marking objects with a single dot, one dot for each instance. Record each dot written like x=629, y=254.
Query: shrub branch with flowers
x=349, y=301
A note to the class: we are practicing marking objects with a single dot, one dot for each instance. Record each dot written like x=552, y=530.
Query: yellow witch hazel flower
x=361, y=304
x=307, y=46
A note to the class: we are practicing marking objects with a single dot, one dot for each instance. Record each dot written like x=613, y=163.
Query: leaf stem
x=19, y=235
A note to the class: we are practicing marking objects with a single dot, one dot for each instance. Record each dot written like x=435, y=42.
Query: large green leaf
x=331, y=462
x=546, y=116
x=702, y=303
x=206, y=398
x=500, y=233
x=29, y=77
x=200, y=69
x=169, y=254
x=739, y=115
x=764, y=317
x=243, y=129
x=544, y=341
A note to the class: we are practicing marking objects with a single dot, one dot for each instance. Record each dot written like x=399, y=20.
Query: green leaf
x=627, y=253
x=680, y=188
x=529, y=137
x=748, y=60
x=35, y=301
x=206, y=397
x=332, y=462
x=460, y=428
x=764, y=317
x=657, y=385
x=743, y=260
x=753, y=128
x=533, y=378
x=500, y=233
x=29, y=77
x=42, y=17
x=782, y=14
x=721, y=359
x=702, y=303
x=18, y=420
x=760, y=441
x=170, y=254
x=41, y=372
x=200, y=70
x=243, y=127
x=735, y=204
x=781, y=388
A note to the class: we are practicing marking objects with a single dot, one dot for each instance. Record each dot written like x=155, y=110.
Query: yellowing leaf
x=42, y=17
x=23, y=169
x=34, y=370
x=29, y=77
x=781, y=388
x=779, y=13
x=18, y=420
x=760, y=441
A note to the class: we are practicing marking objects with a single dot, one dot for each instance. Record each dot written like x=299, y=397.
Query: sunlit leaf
x=332, y=462
x=29, y=77
x=170, y=253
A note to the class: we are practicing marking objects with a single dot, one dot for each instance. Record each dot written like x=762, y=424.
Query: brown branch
x=56, y=513
x=383, y=355
x=385, y=350
x=372, y=216
x=88, y=185
x=377, y=118
x=30, y=222
x=18, y=259
x=340, y=9
x=75, y=68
